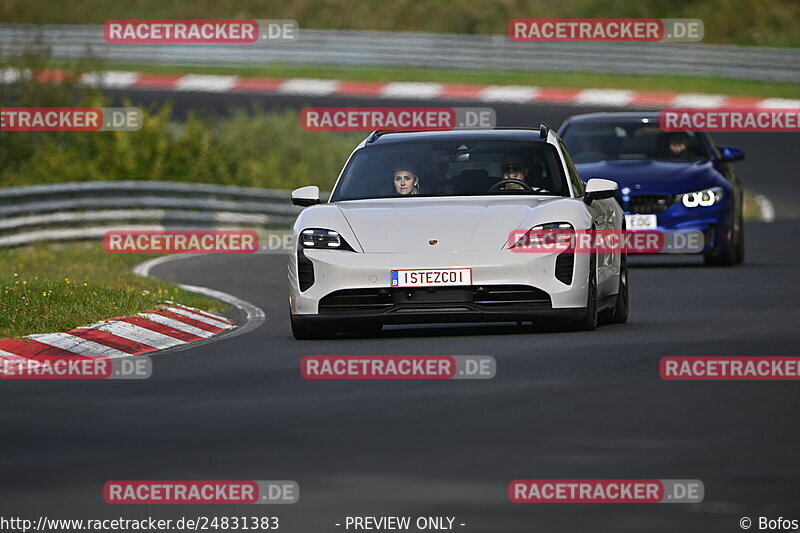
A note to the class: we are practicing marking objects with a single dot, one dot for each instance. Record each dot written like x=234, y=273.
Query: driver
x=406, y=180
x=514, y=168
x=678, y=144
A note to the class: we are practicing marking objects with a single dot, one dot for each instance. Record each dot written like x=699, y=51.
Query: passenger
x=406, y=180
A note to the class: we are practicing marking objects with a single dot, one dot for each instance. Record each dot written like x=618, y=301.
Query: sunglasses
x=511, y=168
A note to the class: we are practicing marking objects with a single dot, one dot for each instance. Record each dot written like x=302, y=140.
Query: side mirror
x=306, y=196
x=599, y=189
x=728, y=154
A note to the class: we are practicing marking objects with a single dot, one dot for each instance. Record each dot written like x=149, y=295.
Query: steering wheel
x=500, y=183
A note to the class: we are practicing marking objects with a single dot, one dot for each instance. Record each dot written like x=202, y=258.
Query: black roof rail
x=544, y=129
x=377, y=133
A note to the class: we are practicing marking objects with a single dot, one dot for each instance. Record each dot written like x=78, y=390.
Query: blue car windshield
x=452, y=168
x=602, y=141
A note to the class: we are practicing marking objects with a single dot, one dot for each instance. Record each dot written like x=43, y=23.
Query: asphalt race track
x=563, y=404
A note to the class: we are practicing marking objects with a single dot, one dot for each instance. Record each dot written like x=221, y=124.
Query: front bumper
x=713, y=222
x=505, y=286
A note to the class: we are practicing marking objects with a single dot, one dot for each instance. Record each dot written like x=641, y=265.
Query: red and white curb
x=166, y=326
x=519, y=94
x=169, y=326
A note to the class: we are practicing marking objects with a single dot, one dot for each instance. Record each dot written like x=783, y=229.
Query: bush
x=252, y=148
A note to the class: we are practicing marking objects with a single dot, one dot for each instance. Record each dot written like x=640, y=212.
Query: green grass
x=749, y=22
x=578, y=80
x=56, y=287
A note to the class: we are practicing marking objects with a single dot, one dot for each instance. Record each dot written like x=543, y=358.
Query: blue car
x=667, y=180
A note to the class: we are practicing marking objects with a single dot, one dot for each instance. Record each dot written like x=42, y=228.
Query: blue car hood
x=654, y=177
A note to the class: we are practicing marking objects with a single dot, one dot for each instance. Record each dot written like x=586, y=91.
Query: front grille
x=400, y=299
x=305, y=271
x=652, y=203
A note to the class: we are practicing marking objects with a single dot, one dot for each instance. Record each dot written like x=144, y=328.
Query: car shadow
x=463, y=330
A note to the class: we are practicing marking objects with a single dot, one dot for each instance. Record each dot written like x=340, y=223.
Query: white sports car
x=417, y=230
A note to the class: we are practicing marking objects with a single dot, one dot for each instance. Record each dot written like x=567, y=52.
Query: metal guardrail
x=86, y=210
x=370, y=48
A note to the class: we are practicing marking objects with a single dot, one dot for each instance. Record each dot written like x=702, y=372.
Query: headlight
x=323, y=238
x=704, y=198
x=554, y=225
x=551, y=233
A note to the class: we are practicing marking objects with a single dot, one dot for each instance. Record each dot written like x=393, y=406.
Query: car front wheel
x=619, y=313
x=589, y=320
x=304, y=332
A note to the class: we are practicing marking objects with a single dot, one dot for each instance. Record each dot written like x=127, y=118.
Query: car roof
x=616, y=116
x=500, y=134
x=621, y=116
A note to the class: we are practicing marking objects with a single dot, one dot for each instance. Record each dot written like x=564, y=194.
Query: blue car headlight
x=704, y=198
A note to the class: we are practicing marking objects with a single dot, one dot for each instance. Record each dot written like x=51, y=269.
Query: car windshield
x=601, y=141
x=452, y=168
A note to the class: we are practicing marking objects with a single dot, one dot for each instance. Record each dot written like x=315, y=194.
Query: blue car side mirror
x=729, y=154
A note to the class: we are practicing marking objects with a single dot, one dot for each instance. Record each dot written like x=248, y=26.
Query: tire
x=305, y=333
x=727, y=257
x=589, y=320
x=619, y=313
x=740, y=245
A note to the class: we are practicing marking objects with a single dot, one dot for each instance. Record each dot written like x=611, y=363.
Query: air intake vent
x=565, y=264
x=305, y=271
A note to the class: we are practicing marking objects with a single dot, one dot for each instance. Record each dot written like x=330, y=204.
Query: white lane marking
x=607, y=97
x=253, y=316
x=77, y=345
x=508, y=93
x=110, y=79
x=138, y=334
x=206, y=83
x=199, y=318
x=779, y=103
x=401, y=89
x=309, y=86
x=166, y=321
x=698, y=100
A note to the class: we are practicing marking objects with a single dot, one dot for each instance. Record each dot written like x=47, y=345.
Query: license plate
x=432, y=277
x=634, y=222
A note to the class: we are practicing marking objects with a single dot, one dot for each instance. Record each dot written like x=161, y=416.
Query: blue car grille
x=650, y=203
